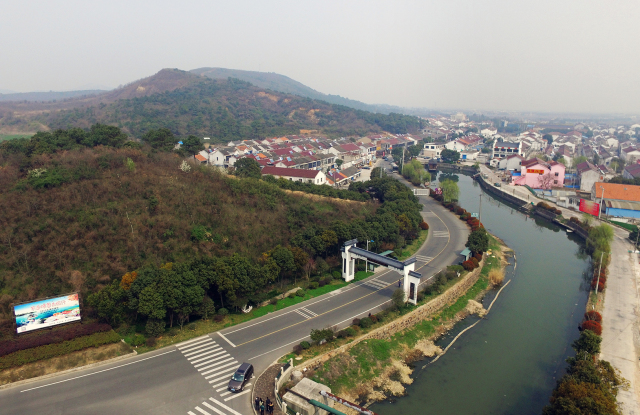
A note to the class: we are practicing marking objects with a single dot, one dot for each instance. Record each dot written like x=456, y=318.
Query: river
x=508, y=363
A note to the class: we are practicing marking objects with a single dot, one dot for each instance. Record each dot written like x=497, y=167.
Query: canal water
x=510, y=361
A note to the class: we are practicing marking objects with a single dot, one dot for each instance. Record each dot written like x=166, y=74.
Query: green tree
x=192, y=145
x=450, y=190
x=588, y=342
x=339, y=162
x=160, y=139
x=155, y=327
x=398, y=298
x=207, y=308
x=549, y=138
x=478, y=241
x=284, y=258
x=578, y=160
x=450, y=156
x=109, y=303
x=151, y=304
x=247, y=167
x=414, y=151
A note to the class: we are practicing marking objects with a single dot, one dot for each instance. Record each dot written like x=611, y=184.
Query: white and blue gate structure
x=411, y=279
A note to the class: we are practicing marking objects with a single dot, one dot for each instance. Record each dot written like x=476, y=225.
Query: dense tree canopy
x=450, y=156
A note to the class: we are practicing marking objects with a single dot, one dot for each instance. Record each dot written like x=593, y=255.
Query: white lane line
x=237, y=395
x=210, y=354
x=213, y=408
x=220, y=367
x=190, y=413
x=306, y=310
x=227, y=359
x=198, y=348
x=225, y=394
x=212, y=360
x=99, y=371
x=201, y=351
x=202, y=411
x=227, y=340
x=225, y=407
x=194, y=343
x=223, y=387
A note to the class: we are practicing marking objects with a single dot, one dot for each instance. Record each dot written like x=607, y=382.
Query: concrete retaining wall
x=456, y=167
x=496, y=191
x=544, y=213
x=407, y=321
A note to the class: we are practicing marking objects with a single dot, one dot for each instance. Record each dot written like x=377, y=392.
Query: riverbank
x=378, y=364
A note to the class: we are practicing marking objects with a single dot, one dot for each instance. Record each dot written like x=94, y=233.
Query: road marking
x=237, y=395
x=302, y=314
x=307, y=311
x=205, y=345
x=227, y=359
x=227, y=374
x=378, y=284
x=225, y=407
x=211, y=353
x=190, y=413
x=202, y=411
x=212, y=360
x=193, y=343
x=423, y=258
x=95, y=373
x=201, y=352
x=227, y=340
x=213, y=408
x=215, y=374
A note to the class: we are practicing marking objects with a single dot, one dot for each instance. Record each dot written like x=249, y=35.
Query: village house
x=588, y=174
x=539, y=174
x=502, y=149
x=296, y=175
x=618, y=200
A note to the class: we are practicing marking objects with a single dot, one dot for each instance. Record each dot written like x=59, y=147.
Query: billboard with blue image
x=47, y=313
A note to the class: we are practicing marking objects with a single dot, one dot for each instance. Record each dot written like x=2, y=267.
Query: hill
x=81, y=209
x=187, y=104
x=281, y=83
x=47, y=96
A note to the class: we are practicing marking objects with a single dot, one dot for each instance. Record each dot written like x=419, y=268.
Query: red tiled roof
x=618, y=191
x=200, y=158
x=281, y=171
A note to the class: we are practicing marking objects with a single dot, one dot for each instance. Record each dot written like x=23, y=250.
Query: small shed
x=466, y=253
x=311, y=390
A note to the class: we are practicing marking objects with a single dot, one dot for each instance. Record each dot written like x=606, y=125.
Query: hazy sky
x=536, y=55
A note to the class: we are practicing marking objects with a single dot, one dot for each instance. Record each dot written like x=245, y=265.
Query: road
x=190, y=378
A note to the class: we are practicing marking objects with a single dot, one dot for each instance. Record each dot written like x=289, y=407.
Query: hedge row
x=58, y=349
x=550, y=208
x=51, y=337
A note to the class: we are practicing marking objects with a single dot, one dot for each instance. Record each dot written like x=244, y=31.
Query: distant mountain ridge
x=282, y=83
x=47, y=96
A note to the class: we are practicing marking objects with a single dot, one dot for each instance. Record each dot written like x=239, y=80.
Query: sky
x=506, y=55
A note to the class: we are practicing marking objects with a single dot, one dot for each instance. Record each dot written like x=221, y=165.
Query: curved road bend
x=190, y=378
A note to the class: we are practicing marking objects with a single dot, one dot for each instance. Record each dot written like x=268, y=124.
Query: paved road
x=190, y=378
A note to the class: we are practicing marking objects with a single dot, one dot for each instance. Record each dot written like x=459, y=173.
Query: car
x=497, y=184
x=366, y=167
x=240, y=377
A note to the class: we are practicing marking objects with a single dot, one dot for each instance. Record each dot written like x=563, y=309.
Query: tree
x=546, y=180
x=450, y=190
x=450, y=156
x=208, y=308
x=155, y=327
x=578, y=160
x=151, y=304
x=398, y=298
x=548, y=137
x=284, y=258
x=414, y=151
x=192, y=145
x=247, y=167
x=478, y=241
x=109, y=303
x=588, y=342
x=160, y=139
x=339, y=162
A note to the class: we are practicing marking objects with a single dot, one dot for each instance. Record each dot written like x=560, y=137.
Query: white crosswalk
x=306, y=313
x=423, y=258
x=377, y=284
x=440, y=234
x=216, y=365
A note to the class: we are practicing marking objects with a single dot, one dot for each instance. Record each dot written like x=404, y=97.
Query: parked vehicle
x=240, y=377
x=497, y=184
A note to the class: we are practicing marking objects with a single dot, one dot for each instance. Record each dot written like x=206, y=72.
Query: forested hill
x=281, y=83
x=189, y=104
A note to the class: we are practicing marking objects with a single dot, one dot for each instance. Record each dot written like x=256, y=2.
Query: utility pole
x=601, y=199
x=480, y=212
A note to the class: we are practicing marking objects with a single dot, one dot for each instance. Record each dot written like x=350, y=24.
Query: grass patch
x=627, y=226
x=413, y=247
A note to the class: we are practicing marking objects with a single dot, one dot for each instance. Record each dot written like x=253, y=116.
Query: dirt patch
x=69, y=361
x=317, y=198
x=269, y=96
x=474, y=307
x=427, y=348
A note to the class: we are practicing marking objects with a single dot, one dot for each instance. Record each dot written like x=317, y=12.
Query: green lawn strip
x=58, y=349
x=627, y=226
x=413, y=247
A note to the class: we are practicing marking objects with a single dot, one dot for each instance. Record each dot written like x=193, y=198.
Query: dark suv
x=240, y=377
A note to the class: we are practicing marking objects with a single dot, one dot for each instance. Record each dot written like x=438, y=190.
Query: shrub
x=151, y=341
x=478, y=256
x=455, y=268
x=374, y=318
x=300, y=293
x=336, y=275
x=218, y=318
x=191, y=326
x=51, y=337
x=475, y=262
x=137, y=340
x=305, y=344
x=366, y=322
x=496, y=276
x=273, y=301
x=593, y=315
x=594, y=326
x=558, y=211
x=292, y=295
x=424, y=225
x=223, y=311
x=600, y=285
x=48, y=351
x=464, y=217
x=322, y=283
x=313, y=285
x=154, y=327
x=322, y=334
x=420, y=296
x=297, y=349
x=356, y=322
x=468, y=265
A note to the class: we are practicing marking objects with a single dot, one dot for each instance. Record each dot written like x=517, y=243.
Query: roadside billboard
x=45, y=313
x=587, y=206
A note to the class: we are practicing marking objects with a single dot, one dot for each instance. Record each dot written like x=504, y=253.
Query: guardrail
x=283, y=376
